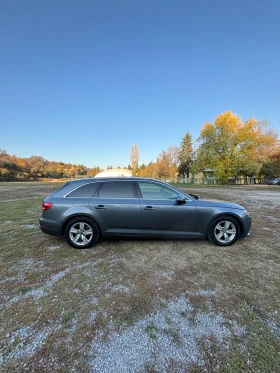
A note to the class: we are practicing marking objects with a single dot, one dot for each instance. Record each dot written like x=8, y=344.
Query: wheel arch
x=83, y=215
x=228, y=214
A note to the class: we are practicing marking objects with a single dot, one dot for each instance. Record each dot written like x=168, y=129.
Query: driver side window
x=156, y=191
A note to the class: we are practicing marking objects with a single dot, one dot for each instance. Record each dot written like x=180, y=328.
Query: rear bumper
x=49, y=228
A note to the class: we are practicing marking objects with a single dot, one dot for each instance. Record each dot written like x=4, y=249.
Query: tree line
x=36, y=167
x=229, y=147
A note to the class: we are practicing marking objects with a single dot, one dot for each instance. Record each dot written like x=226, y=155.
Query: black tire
x=81, y=232
x=224, y=231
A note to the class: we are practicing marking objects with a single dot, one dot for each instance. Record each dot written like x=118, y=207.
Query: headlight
x=246, y=212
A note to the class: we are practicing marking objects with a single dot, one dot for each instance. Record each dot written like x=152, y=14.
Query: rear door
x=117, y=208
x=162, y=215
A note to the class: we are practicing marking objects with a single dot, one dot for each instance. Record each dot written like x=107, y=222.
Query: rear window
x=85, y=191
x=117, y=189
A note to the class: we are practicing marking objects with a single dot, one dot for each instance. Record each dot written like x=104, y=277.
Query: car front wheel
x=224, y=231
x=81, y=232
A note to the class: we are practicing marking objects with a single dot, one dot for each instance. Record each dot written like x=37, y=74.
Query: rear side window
x=59, y=192
x=86, y=190
x=117, y=189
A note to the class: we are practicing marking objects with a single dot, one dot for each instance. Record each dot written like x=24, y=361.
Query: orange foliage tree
x=232, y=147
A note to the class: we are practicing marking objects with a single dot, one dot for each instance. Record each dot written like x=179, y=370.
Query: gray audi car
x=99, y=208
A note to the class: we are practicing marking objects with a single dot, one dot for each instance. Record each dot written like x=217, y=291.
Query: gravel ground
x=164, y=336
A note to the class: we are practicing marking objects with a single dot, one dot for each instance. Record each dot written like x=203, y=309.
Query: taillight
x=46, y=205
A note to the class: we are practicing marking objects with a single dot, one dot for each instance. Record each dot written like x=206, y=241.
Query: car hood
x=205, y=203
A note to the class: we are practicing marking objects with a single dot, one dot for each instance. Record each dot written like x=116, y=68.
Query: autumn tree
x=167, y=163
x=147, y=171
x=93, y=171
x=186, y=155
x=162, y=166
x=9, y=168
x=271, y=168
x=36, y=166
x=234, y=147
x=134, y=158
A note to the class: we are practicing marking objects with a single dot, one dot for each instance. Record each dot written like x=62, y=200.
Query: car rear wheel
x=224, y=231
x=81, y=232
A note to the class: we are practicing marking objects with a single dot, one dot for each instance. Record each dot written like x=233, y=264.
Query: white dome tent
x=115, y=172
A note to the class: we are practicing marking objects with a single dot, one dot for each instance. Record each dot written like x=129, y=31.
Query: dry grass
x=58, y=303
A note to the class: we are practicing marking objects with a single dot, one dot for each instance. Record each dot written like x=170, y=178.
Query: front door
x=162, y=215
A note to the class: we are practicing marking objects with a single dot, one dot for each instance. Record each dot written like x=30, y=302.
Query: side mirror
x=180, y=200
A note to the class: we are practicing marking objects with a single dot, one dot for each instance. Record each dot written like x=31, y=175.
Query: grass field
x=139, y=306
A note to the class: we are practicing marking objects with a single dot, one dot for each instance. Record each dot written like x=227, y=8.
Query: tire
x=81, y=232
x=224, y=231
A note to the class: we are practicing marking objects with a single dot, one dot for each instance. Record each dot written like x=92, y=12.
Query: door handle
x=149, y=208
x=100, y=207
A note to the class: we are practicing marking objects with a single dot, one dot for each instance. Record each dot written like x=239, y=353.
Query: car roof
x=117, y=178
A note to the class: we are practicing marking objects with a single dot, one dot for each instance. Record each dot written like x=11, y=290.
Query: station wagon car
x=87, y=210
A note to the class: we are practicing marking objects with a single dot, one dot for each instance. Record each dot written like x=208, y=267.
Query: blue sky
x=81, y=81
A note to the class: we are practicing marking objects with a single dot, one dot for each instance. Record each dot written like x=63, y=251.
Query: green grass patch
x=67, y=317
x=151, y=331
x=23, y=289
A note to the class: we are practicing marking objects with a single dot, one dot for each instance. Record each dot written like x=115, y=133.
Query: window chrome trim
x=93, y=182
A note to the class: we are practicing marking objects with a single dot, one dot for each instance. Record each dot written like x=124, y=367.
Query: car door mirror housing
x=180, y=200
